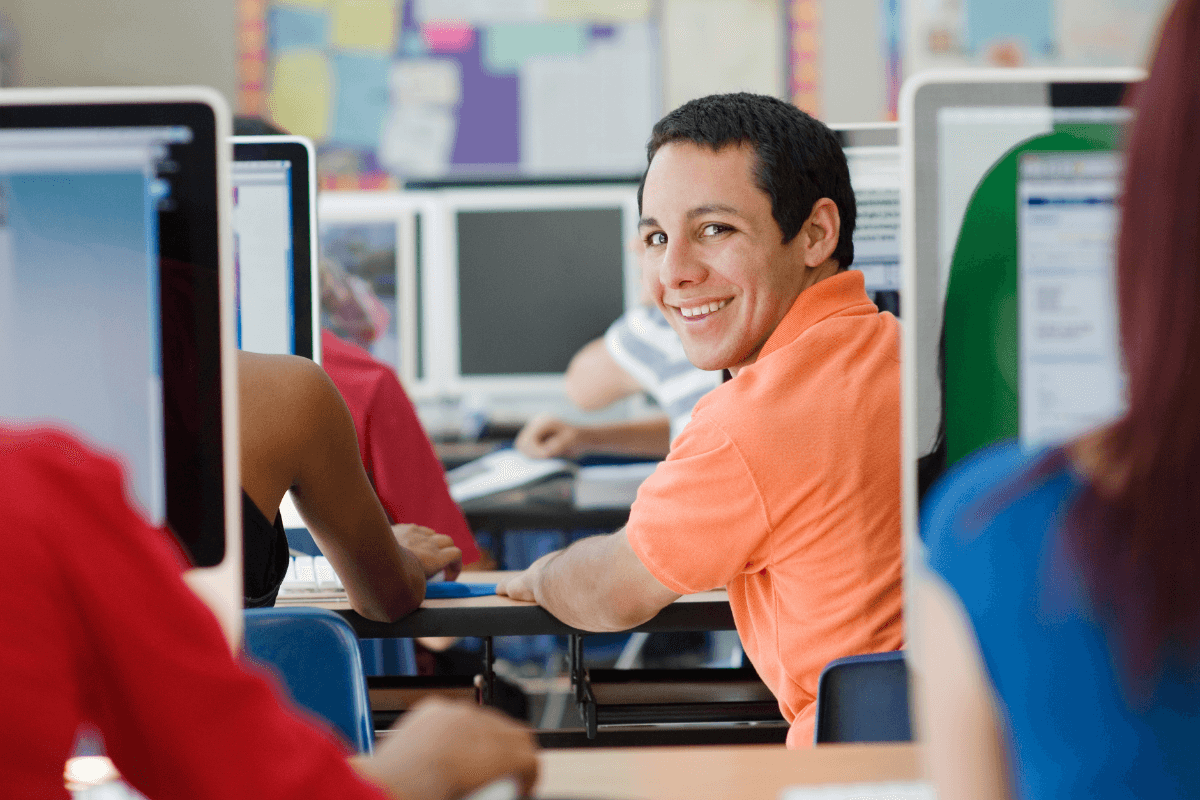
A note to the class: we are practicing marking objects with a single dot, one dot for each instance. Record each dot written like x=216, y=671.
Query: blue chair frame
x=864, y=699
x=315, y=654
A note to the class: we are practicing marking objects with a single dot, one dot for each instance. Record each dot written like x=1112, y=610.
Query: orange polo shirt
x=785, y=489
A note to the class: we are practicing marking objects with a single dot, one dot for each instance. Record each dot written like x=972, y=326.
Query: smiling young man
x=785, y=485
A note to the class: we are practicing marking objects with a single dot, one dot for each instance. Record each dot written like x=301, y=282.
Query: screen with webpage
x=263, y=256
x=1027, y=215
x=80, y=336
x=875, y=176
x=1070, y=370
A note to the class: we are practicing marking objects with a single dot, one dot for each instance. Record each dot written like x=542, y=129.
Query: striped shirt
x=645, y=345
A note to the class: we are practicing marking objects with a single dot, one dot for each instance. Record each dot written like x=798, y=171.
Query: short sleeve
x=699, y=520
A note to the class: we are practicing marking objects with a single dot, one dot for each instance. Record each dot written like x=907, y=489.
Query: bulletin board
x=395, y=90
x=1014, y=33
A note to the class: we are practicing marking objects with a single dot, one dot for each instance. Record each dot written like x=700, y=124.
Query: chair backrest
x=316, y=656
x=864, y=699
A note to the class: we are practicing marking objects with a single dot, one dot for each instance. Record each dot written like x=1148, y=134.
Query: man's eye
x=656, y=238
x=712, y=229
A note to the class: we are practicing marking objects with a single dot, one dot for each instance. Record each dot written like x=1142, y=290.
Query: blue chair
x=864, y=699
x=315, y=654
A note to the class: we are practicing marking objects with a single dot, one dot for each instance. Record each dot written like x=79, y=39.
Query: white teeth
x=707, y=308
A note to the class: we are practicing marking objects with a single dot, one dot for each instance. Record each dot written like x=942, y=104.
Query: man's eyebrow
x=699, y=211
x=714, y=208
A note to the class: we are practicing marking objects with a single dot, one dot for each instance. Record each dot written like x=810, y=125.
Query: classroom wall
x=708, y=46
x=126, y=42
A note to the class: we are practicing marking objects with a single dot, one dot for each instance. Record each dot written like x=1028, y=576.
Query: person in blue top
x=1057, y=628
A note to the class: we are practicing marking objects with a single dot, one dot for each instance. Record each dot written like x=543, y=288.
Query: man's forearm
x=580, y=586
x=648, y=437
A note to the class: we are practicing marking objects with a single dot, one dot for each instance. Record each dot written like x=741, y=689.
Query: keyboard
x=310, y=574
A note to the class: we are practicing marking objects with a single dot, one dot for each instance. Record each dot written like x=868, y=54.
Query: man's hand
x=548, y=437
x=436, y=551
x=441, y=750
x=521, y=586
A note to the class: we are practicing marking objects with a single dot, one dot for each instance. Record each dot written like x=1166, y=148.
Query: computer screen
x=373, y=241
x=274, y=257
x=110, y=298
x=516, y=279
x=873, y=156
x=1009, y=215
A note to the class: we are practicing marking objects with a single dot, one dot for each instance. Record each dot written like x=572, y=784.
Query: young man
x=785, y=486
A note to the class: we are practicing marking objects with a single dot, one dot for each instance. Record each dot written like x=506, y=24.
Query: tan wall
x=126, y=42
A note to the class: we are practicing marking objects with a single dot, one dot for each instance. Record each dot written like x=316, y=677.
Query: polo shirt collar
x=827, y=298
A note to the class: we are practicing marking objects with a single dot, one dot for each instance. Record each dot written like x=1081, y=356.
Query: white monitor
x=1009, y=215
x=375, y=238
x=514, y=280
x=275, y=257
x=115, y=295
x=873, y=156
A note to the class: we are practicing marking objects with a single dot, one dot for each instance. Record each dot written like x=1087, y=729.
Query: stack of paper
x=610, y=486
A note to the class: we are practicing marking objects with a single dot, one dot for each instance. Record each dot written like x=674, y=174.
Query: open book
x=501, y=471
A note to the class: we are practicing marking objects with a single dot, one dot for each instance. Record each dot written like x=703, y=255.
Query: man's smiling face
x=713, y=257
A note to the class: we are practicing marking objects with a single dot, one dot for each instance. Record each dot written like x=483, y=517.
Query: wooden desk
x=500, y=616
x=491, y=616
x=750, y=772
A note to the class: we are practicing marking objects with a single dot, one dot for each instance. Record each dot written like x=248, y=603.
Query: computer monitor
x=114, y=298
x=514, y=280
x=1009, y=214
x=873, y=156
x=375, y=238
x=275, y=260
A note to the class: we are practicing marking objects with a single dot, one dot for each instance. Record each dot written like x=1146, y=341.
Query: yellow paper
x=598, y=10
x=300, y=96
x=365, y=25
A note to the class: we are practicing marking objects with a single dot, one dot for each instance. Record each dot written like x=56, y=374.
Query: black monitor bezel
x=195, y=485
x=297, y=155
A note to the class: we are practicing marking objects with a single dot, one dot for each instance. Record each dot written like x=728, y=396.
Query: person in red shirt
x=396, y=451
x=100, y=630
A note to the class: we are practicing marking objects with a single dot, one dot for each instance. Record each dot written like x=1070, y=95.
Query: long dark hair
x=1134, y=530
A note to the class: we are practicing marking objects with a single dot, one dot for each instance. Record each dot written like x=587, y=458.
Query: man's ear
x=820, y=232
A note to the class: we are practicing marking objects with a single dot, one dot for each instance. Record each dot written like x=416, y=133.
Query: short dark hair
x=800, y=160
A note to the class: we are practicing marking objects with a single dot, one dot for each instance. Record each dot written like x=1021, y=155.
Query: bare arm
x=955, y=707
x=297, y=434
x=596, y=584
x=440, y=750
x=549, y=437
x=594, y=380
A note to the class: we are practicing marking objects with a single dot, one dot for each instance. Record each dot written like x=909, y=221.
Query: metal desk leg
x=579, y=681
x=485, y=683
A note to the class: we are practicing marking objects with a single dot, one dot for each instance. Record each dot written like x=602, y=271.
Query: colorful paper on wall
x=447, y=37
x=365, y=25
x=599, y=10
x=295, y=29
x=362, y=99
x=299, y=99
x=1025, y=24
x=507, y=47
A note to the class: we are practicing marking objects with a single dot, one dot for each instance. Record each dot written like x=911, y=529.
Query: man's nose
x=681, y=265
